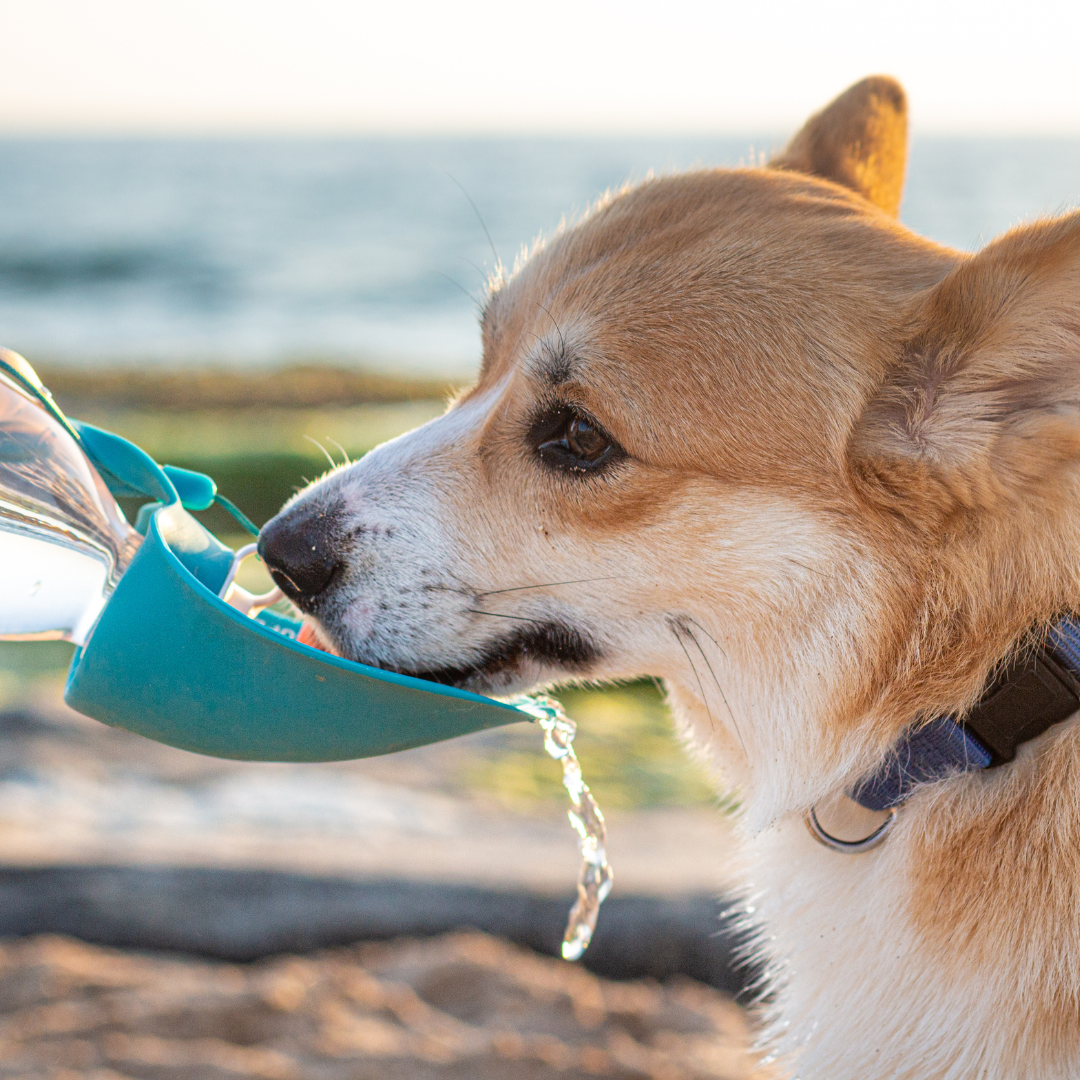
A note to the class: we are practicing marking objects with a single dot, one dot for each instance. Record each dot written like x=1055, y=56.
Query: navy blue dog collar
x=1018, y=706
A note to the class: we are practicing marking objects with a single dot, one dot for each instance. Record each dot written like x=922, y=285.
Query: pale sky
x=557, y=66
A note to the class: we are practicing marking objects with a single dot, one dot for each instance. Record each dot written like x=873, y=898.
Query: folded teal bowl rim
x=170, y=660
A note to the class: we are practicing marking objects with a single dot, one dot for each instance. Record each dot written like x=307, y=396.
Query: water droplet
x=595, y=879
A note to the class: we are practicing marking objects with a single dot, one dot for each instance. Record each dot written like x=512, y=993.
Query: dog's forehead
x=734, y=254
x=759, y=302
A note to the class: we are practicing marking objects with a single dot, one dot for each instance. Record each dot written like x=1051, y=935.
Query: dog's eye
x=568, y=440
x=585, y=441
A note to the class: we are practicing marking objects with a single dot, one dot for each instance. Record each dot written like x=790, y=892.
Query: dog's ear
x=983, y=404
x=860, y=141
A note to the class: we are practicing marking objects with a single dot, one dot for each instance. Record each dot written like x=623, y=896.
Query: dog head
x=741, y=430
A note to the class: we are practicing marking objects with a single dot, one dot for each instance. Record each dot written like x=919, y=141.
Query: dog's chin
x=541, y=653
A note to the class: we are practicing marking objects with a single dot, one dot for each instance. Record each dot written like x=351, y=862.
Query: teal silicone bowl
x=170, y=660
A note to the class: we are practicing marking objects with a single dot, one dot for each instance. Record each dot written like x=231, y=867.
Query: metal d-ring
x=848, y=847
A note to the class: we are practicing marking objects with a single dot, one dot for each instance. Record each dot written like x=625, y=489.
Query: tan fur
x=851, y=492
x=859, y=141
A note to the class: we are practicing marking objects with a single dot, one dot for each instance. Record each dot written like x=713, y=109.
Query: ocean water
x=367, y=251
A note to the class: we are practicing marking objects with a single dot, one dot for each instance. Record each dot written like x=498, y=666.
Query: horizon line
x=773, y=133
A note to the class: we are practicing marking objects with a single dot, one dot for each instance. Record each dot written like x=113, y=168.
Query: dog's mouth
x=522, y=657
x=513, y=662
x=510, y=663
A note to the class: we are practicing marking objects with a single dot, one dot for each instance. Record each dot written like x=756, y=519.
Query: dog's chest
x=857, y=991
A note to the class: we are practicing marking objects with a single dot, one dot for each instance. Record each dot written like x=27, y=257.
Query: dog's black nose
x=300, y=549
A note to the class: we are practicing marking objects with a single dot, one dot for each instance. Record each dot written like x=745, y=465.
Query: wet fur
x=850, y=491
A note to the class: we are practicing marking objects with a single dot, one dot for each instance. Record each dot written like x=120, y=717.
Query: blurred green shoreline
x=263, y=435
x=307, y=385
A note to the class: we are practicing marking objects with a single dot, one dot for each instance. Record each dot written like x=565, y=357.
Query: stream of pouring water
x=595, y=878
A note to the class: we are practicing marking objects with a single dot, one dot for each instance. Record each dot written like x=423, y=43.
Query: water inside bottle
x=64, y=542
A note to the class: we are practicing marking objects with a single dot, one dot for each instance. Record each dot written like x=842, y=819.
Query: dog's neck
x=780, y=722
x=1028, y=697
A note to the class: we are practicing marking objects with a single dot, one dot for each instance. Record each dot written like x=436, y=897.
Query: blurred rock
x=245, y=915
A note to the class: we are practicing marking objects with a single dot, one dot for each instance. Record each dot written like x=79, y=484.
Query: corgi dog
x=742, y=430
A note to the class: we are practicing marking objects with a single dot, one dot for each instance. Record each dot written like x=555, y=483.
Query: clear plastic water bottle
x=64, y=542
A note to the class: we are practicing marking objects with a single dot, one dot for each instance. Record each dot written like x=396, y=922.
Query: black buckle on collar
x=1027, y=698
x=1024, y=701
